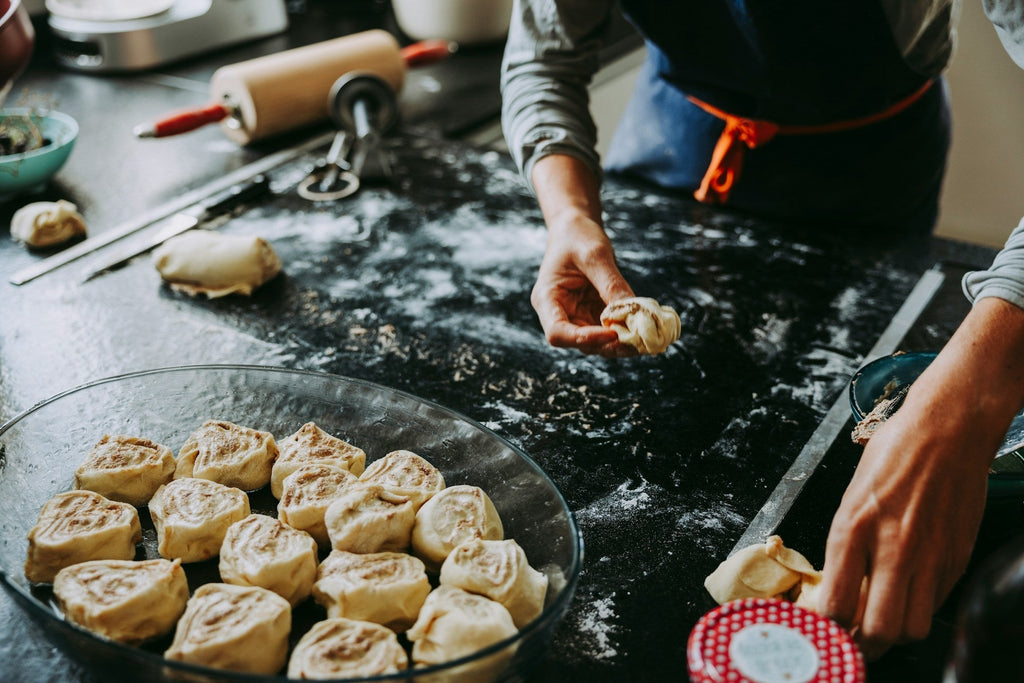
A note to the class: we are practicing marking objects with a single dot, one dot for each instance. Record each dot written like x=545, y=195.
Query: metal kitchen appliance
x=184, y=29
x=363, y=107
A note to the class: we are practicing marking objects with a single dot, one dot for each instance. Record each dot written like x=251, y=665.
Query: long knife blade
x=92, y=244
x=184, y=221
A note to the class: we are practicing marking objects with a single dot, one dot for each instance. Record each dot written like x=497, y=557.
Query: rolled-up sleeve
x=1005, y=277
x=1007, y=16
x=550, y=57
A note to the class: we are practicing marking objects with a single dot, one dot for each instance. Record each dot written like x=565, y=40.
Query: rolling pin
x=277, y=93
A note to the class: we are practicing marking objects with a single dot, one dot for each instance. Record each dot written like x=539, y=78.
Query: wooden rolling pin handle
x=183, y=121
x=427, y=52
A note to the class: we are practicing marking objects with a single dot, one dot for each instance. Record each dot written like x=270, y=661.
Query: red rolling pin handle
x=417, y=54
x=427, y=52
x=183, y=121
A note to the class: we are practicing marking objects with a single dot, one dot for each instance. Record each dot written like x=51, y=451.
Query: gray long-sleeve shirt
x=552, y=54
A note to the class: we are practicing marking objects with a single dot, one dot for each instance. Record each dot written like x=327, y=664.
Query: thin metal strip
x=768, y=518
x=118, y=232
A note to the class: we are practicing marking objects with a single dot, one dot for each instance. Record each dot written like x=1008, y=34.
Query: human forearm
x=909, y=518
x=550, y=56
x=1005, y=277
x=977, y=381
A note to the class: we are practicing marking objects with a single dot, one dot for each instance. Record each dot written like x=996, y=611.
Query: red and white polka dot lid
x=761, y=640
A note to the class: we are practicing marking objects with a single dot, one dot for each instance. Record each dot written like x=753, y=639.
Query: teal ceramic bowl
x=886, y=375
x=29, y=172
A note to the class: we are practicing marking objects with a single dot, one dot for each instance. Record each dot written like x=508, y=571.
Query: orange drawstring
x=740, y=133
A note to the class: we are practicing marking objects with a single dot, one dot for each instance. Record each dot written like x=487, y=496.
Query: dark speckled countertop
x=423, y=283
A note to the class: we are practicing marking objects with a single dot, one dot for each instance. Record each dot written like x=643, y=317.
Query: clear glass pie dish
x=41, y=448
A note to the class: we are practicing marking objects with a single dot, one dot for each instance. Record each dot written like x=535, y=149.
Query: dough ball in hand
x=643, y=323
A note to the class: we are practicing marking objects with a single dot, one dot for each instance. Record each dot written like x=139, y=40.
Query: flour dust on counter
x=423, y=283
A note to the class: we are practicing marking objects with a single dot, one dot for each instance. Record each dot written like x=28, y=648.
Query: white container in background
x=467, y=22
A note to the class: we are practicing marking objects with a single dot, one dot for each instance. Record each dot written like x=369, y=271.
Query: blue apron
x=789, y=62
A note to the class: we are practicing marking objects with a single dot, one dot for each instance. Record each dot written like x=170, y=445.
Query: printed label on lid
x=770, y=653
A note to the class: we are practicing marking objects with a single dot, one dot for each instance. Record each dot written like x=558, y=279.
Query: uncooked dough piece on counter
x=46, y=224
x=771, y=570
x=211, y=263
x=763, y=570
x=643, y=323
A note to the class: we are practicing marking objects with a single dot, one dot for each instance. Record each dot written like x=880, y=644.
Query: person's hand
x=909, y=518
x=578, y=274
x=907, y=522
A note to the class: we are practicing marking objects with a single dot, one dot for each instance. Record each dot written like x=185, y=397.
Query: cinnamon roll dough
x=262, y=551
x=215, y=264
x=240, y=628
x=122, y=600
x=192, y=516
x=453, y=516
x=407, y=474
x=454, y=623
x=500, y=571
x=762, y=570
x=344, y=648
x=310, y=445
x=47, y=224
x=77, y=526
x=643, y=323
x=125, y=468
x=306, y=494
x=367, y=519
x=228, y=454
x=385, y=588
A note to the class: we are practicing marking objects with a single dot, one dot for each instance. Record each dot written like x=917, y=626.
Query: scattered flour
x=596, y=625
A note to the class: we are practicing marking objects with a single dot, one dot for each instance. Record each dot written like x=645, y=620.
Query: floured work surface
x=424, y=286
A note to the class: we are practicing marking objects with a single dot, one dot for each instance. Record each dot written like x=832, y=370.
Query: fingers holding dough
x=643, y=323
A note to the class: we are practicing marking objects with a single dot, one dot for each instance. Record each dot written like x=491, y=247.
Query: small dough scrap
x=453, y=516
x=122, y=600
x=310, y=444
x=385, y=588
x=454, y=623
x=47, y=224
x=228, y=454
x=192, y=516
x=643, y=323
x=407, y=474
x=128, y=469
x=212, y=263
x=306, y=494
x=262, y=551
x=77, y=526
x=763, y=570
x=346, y=648
x=500, y=571
x=366, y=518
x=239, y=628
